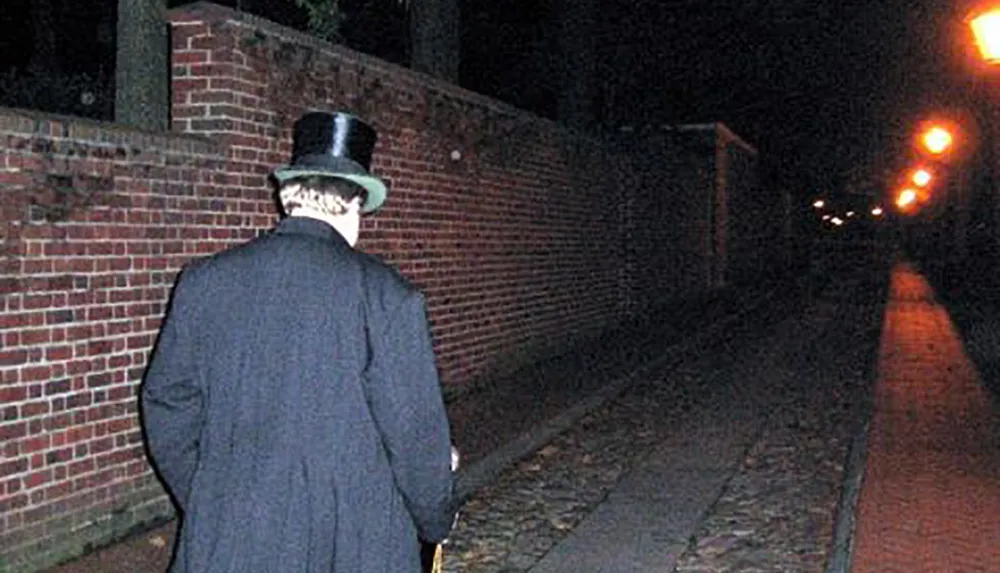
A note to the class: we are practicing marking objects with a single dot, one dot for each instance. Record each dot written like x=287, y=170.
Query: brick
x=190, y=57
x=38, y=301
x=13, y=467
x=35, y=337
x=34, y=373
x=119, y=393
x=13, y=486
x=58, y=422
x=13, y=502
x=35, y=444
x=99, y=380
x=38, y=478
x=33, y=409
x=96, y=347
x=13, y=357
x=56, y=353
x=60, y=316
x=79, y=400
x=9, y=413
x=58, y=490
x=58, y=387
x=81, y=467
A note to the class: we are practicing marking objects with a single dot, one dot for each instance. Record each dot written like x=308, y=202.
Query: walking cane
x=432, y=554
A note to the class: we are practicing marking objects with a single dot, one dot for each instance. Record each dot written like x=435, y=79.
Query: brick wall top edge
x=204, y=11
x=214, y=13
x=716, y=133
x=26, y=121
x=727, y=136
x=677, y=143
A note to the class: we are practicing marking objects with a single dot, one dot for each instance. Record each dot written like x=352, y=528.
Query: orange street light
x=937, y=140
x=921, y=177
x=906, y=198
x=986, y=29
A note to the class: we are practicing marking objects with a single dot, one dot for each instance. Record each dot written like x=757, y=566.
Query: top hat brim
x=375, y=187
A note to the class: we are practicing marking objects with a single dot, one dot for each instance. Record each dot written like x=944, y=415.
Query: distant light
x=937, y=140
x=921, y=177
x=850, y=213
x=877, y=211
x=827, y=217
x=837, y=221
x=906, y=197
x=818, y=203
x=986, y=29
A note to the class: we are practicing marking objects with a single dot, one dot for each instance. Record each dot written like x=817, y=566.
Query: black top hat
x=335, y=145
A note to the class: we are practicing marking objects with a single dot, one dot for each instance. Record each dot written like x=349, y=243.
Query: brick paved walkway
x=931, y=495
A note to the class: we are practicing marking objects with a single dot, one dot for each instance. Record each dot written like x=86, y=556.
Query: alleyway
x=729, y=451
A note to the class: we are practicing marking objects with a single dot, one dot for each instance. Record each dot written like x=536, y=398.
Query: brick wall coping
x=212, y=13
x=722, y=131
x=25, y=121
x=729, y=136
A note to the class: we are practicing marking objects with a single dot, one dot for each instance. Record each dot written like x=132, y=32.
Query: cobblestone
x=512, y=523
x=777, y=512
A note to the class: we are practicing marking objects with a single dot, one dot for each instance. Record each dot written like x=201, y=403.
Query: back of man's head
x=331, y=196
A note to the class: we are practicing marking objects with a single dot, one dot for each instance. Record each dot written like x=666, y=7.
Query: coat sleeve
x=404, y=394
x=172, y=396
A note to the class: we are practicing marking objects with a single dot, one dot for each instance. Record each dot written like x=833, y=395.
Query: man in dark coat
x=292, y=405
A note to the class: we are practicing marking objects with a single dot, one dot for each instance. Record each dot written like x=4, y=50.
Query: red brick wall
x=515, y=242
x=687, y=204
x=518, y=243
x=669, y=223
x=96, y=221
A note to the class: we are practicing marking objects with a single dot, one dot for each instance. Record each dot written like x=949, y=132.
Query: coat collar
x=310, y=227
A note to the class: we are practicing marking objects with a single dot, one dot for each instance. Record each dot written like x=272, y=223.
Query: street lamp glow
x=986, y=29
x=921, y=177
x=877, y=211
x=937, y=140
x=818, y=203
x=906, y=197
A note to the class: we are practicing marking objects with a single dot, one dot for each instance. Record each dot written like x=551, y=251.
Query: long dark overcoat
x=292, y=407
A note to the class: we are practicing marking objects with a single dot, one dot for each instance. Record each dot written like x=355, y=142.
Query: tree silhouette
x=142, y=69
x=434, y=33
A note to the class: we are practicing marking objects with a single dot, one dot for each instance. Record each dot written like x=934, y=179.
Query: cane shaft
x=438, y=565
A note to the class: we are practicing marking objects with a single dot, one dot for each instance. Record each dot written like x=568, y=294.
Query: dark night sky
x=819, y=86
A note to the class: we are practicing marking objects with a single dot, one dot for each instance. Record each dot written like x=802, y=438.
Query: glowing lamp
x=986, y=29
x=937, y=140
x=921, y=177
x=877, y=211
x=818, y=203
x=906, y=197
